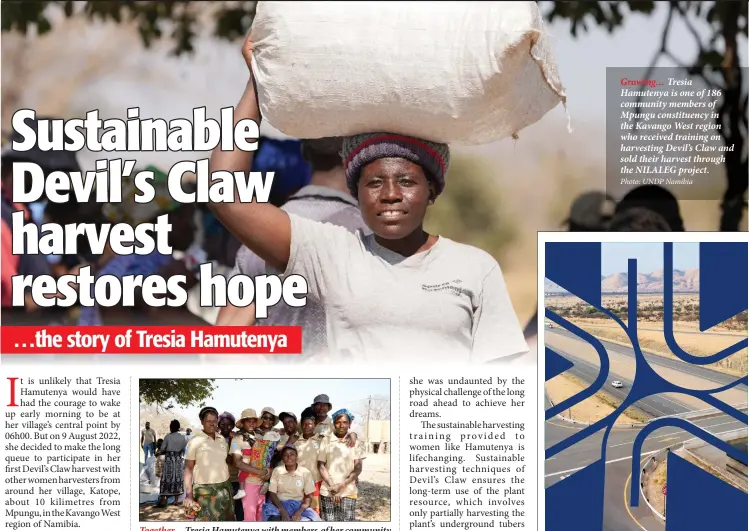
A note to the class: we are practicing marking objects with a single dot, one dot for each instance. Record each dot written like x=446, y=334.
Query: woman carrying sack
x=399, y=290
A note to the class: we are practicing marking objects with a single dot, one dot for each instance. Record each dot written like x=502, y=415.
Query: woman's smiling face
x=394, y=194
x=268, y=421
x=289, y=456
x=289, y=425
x=225, y=427
x=210, y=423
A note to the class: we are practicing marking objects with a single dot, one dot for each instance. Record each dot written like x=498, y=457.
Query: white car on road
x=617, y=384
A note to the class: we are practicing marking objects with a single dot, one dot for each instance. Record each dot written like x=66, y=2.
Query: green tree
x=717, y=63
x=184, y=392
x=176, y=20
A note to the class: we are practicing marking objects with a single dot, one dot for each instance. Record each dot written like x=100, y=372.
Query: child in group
x=243, y=442
x=254, y=429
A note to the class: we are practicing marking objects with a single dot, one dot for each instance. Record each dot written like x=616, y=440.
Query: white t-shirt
x=319, y=203
x=449, y=303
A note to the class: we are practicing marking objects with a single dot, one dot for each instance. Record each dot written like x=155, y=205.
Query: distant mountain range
x=684, y=281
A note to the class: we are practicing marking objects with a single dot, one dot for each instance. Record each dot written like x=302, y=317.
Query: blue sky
x=288, y=394
x=649, y=256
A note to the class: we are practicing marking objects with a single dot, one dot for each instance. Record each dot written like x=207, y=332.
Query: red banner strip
x=150, y=340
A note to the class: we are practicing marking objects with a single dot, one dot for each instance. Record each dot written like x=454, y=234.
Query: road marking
x=716, y=434
x=734, y=421
x=626, y=505
x=606, y=463
x=563, y=425
x=650, y=438
x=676, y=364
x=644, y=454
x=685, y=408
x=679, y=430
x=632, y=441
x=615, y=393
x=651, y=406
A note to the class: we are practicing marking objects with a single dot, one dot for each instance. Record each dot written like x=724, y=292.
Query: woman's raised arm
x=262, y=227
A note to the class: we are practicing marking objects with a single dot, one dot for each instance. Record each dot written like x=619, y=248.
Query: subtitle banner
x=151, y=340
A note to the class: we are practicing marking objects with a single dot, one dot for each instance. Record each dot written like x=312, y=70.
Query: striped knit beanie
x=360, y=150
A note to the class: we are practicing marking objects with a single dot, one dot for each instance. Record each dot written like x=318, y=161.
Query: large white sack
x=268, y=131
x=456, y=72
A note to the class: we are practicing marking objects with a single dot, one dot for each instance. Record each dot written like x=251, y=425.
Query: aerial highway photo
x=642, y=379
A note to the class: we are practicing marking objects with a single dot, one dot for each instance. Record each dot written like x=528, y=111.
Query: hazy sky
x=289, y=395
x=583, y=61
x=614, y=257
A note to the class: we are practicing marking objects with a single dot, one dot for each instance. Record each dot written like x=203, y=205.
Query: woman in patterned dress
x=173, y=468
x=207, y=473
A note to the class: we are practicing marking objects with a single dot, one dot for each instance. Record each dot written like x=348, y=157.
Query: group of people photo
x=247, y=468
